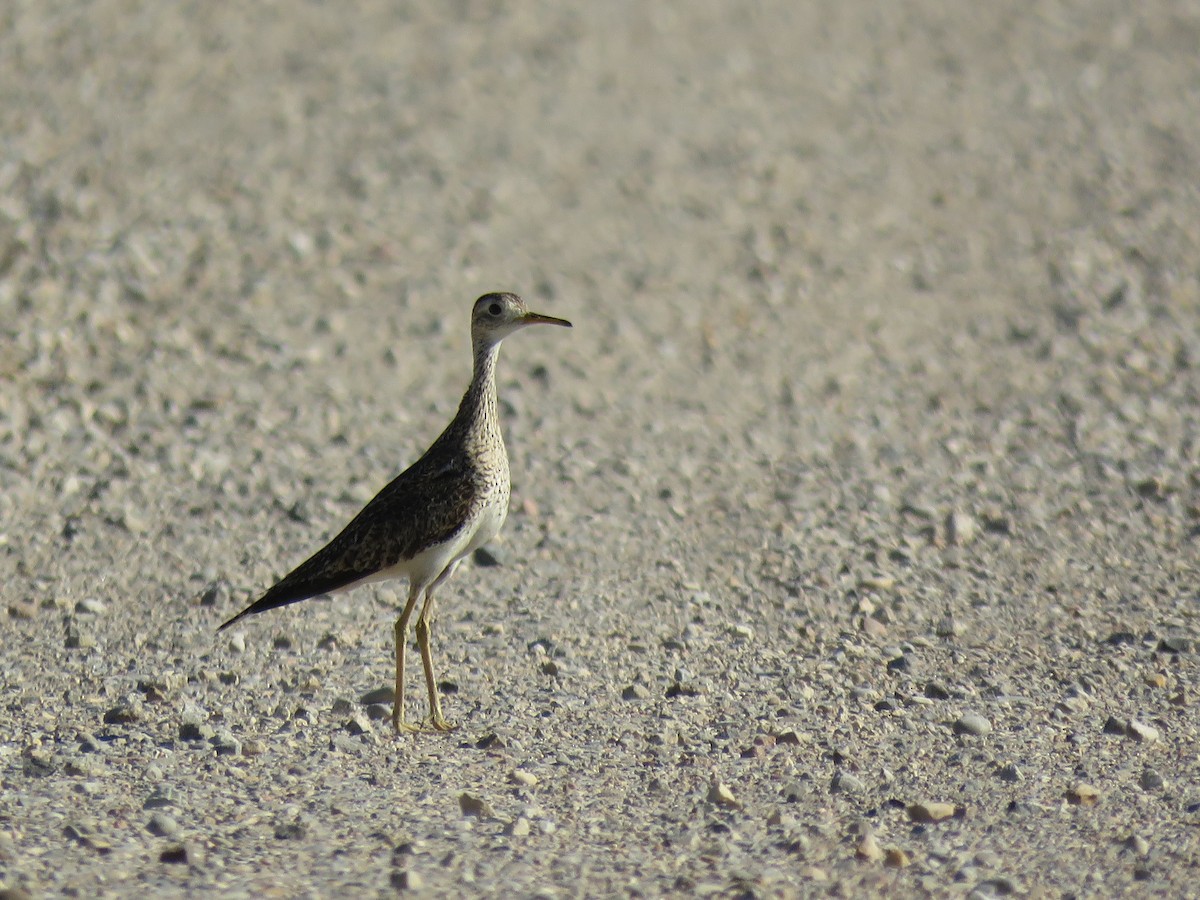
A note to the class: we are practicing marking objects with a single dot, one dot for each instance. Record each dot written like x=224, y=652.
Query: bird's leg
x=398, y=722
x=424, y=625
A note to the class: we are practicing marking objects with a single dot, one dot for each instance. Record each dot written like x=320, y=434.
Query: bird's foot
x=439, y=723
x=402, y=726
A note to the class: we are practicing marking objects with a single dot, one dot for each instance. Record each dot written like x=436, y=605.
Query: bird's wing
x=424, y=505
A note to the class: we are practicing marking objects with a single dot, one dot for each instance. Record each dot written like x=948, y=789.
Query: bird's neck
x=478, y=405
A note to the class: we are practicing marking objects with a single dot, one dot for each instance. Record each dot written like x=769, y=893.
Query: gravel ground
x=853, y=545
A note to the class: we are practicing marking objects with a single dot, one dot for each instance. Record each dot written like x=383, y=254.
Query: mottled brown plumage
x=448, y=503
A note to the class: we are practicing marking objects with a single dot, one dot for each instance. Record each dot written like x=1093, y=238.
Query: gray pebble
x=946, y=627
x=848, y=783
x=935, y=691
x=1151, y=780
x=1010, y=773
x=162, y=825
x=383, y=695
x=123, y=713
x=519, y=827
x=1113, y=725
x=972, y=723
x=489, y=557
x=225, y=743
x=1142, y=733
x=216, y=595
x=961, y=528
x=290, y=831
x=407, y=880
x=162, y=797
x=90, y=606
x=78, y=640
x=195, y=731
x=1137, y=845
x=1175, y=643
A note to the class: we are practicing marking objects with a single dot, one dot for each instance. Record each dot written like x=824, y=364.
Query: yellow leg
x=398, y=722
x=424, y=625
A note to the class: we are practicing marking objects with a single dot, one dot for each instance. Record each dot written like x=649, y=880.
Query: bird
x=429, y=518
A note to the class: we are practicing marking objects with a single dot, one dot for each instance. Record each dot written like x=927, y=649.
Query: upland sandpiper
x=444, y=506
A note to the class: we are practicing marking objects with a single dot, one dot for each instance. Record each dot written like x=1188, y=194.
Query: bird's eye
x=494, y=309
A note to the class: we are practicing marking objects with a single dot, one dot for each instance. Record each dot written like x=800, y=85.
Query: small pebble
x=1137, y=844
x=90, y=606
x=519, y=827
x=946, y=627
x=848, y=783
x=123, y=714
x=383, y=695
x=972, y=723
x=1151, y=780
x=931, y=811
x=195, y=731
x=721, y=795
x=176, y=854
x=407, y=880
x=873, y=627
x=523, y=778
x=160, y=798
x=1083, y=794
x=216, y=594
x=225, y=743
x=635, y=691
x=896, y=858
x=162, y=825
x=868, y=848
x=78, y=640
x=1176, y=643
x=935, y=691
x=475, y=806
x=1009, y=773
x=1113, y=725
x=23, y=609
x=961, y=528
x=490, y=557
x=1142, y=733
x=290, y=831
x=877, y=583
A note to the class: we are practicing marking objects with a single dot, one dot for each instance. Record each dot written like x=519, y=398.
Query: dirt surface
x=854, y=533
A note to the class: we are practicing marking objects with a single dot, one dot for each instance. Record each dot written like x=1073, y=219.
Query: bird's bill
x=539, y=319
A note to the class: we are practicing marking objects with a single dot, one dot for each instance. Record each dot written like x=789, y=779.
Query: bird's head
x=496, y=316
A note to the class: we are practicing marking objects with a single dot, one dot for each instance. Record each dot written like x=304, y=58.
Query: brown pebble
x=475, y=806
x=931, y=812
x=721, y=795
x=1083, y=794
x=868, y=848
x=896, y=858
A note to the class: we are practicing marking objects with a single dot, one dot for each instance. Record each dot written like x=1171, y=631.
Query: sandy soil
x=853, y=543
